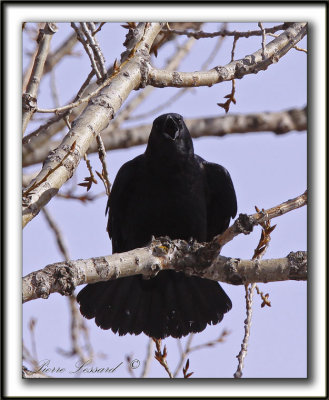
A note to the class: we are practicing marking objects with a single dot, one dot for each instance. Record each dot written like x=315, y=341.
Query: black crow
x=167, y=191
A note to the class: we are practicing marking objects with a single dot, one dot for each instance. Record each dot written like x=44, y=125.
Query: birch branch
x=245, y=223
x=30, y=95
x=251, y=64
x=193, y=258
x=224, y=32
x=162, y=254
x=277, y=122
x=55, y=124
x=91, y=122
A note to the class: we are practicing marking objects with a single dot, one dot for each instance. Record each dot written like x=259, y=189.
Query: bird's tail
x=170, y=304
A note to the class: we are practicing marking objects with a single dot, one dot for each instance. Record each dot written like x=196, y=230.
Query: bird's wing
x=221, y=198
x=122, y=189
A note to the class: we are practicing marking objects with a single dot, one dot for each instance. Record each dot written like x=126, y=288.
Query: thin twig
x=295, y=47
x=259, y=218
x=161, y=356
x=86, y=46
x=102, y=156
x=184, y=354
x=89, y=180
x=189, y=349
x=99, y=28
x=148, y=358
x=56, y=118
x=224, y=32
x=231, y=96
x=259, y=252
x=244, y=346
x=263, y=40
x=77, y=322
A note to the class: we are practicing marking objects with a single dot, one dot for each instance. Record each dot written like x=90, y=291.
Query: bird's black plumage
x=167, y=191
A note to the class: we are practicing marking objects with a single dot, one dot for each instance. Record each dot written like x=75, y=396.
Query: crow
x=167, y=191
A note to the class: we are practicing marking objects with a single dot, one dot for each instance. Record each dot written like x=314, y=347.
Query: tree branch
x=30, y=95
x=245, y=223
x=251, y=64
x=162, y=254
x=193, y=258
x=91, y=122
x=276, y=122
x=225, y=32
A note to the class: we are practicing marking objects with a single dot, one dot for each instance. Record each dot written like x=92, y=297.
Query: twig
x=129, y=358
x=83, y=198
x=265, y=297
x=224, y=32
x=263, y=39
x=161, y=356
x=230, y=97
x=148, y=358
x=102, y=156
x=43, y=129
x=30, y=95
x=89, y=180
x=77, y=322
x=258, y=254
x=86, y=45
x=187, y=374
x=99, y=28
x=245, y=225
x=78, y=102
x=295, y=47
x=244, y=346
x=58, y=235
x=184, y=353
x=89, y=29
x=189, y=349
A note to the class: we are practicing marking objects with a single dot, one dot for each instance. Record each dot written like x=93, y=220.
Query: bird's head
x=170, y=134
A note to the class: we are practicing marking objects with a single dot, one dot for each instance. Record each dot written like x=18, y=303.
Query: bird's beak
x=171, y=128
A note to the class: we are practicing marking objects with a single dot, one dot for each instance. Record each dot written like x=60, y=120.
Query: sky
x=266, y=170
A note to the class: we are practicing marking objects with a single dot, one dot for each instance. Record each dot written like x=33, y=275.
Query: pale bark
x=277, y=122
x=31, y=93
x=163, y=254
x=201, y=259
x=251, y=64
x=92, y=121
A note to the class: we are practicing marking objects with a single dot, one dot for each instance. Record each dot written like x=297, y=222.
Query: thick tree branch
x=276, y=122
x=251, y=64
x=91, y=122
x=201, y=259
x=192, y=258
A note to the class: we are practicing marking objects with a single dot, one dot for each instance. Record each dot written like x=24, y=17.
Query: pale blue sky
x=266, y=170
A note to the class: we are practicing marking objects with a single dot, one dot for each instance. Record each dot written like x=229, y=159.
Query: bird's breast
x=171, y=205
